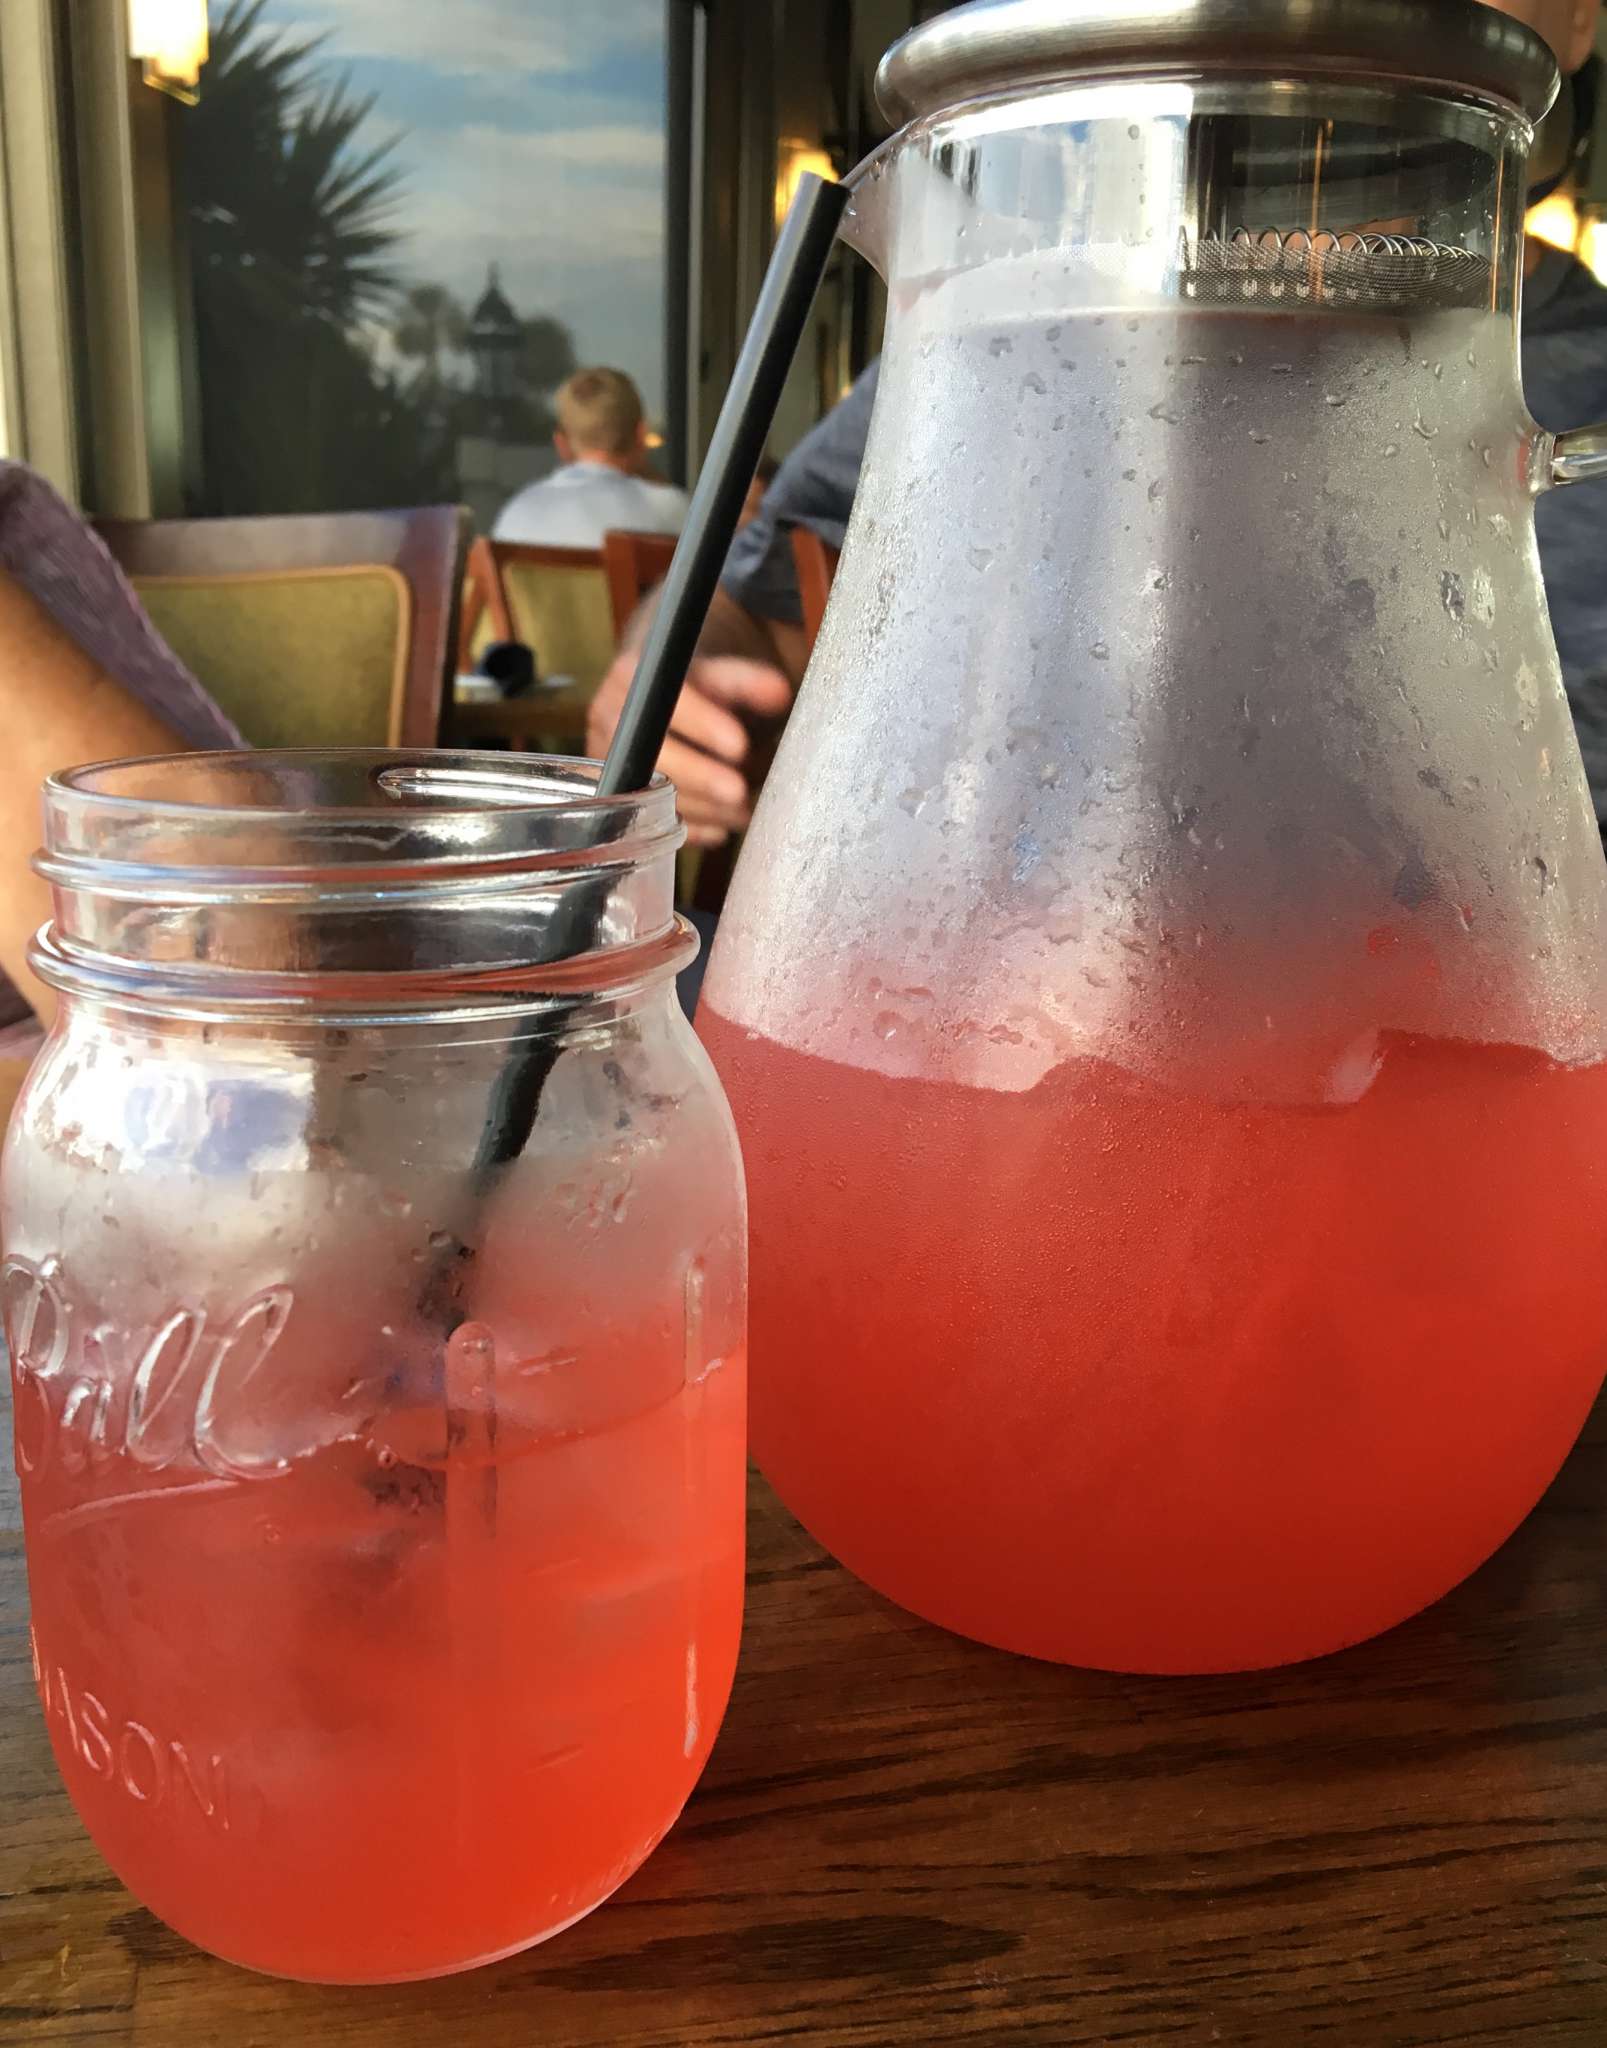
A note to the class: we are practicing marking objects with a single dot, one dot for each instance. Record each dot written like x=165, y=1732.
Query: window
x=405, y=225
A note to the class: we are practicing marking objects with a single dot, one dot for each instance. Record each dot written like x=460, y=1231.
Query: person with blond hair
x=602, y=449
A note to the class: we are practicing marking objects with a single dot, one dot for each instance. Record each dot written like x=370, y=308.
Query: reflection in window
x=406, y=224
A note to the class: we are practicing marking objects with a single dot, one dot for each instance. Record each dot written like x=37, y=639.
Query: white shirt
x=578, y=504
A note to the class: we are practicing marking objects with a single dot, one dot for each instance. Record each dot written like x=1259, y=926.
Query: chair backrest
x=636, y=563
x=329, y=629
x=816, y=563
x=553, y=599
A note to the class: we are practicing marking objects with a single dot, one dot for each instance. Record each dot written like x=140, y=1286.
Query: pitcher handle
x=1576, y=457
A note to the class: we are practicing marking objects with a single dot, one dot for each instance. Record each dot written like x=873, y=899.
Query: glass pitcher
x=384, y=1531
x=1163, y=995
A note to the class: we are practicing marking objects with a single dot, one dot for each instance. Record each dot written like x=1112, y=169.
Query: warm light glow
x=1554, y=220
x=793, y=159
x=653, y=438
x=170, y=39
x=1557, y=221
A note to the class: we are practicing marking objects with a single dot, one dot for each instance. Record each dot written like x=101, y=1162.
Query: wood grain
x=906, y=1838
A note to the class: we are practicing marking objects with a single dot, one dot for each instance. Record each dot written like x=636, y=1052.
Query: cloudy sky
x=531, y=134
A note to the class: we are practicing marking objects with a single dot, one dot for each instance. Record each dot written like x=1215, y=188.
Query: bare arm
x=746, y=668
x=730, y=630
x=58, y=708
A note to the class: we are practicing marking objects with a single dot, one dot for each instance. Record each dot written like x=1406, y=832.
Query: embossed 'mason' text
x=151, y=1770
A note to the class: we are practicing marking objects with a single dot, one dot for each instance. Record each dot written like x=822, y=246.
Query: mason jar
x=374, y=1286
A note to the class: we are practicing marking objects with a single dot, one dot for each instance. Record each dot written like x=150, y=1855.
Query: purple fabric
x=47, y=547
x=49, y=550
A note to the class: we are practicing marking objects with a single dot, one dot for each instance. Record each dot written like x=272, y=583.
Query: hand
x=707, y=751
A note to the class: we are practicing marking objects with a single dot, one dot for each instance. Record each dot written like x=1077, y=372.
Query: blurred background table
x=548, y=721
x=906, y=1838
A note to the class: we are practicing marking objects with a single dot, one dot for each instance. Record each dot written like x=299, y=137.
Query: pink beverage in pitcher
x=384, y=1537
x=1199, y=1383
x=1162, y=996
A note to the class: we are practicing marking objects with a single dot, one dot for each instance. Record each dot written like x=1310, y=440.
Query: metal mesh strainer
x=1373, y=273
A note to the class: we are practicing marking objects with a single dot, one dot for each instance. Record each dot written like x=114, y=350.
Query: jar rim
x=313, y=880
x=331, y=818
x=456, y=769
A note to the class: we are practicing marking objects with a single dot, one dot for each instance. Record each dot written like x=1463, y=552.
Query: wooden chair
x=329, y=629
x=635, y=563
x=815, y=560
x=556, y=600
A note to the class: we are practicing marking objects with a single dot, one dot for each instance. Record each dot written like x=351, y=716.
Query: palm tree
x=291, y=234
x=275, y=180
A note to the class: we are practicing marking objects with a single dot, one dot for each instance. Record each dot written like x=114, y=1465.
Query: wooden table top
x=906, y=1838
x=538, y=720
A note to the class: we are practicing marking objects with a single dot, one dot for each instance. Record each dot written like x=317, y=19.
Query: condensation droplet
x=473, y=1344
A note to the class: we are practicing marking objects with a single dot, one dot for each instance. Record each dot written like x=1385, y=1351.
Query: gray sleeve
x=814, y=487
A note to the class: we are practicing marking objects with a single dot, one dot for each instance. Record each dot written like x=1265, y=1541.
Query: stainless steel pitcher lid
x=997, y=45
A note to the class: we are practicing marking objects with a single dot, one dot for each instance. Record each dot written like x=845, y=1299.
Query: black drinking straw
x=796, y=268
